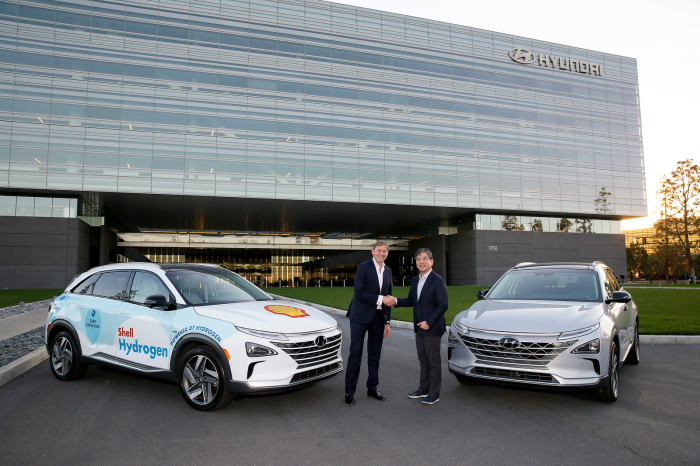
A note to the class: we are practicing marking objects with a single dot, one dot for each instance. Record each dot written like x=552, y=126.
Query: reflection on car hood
x=530, y=316
x=272, y=316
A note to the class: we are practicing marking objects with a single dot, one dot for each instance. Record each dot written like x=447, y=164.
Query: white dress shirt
x=421, y=281
x=380, y=277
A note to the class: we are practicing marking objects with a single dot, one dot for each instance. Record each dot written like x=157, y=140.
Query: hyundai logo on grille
x=522, y=56
x=320, y=341
x=509, y=342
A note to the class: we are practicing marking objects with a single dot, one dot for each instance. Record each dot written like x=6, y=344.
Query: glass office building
x=312, y=101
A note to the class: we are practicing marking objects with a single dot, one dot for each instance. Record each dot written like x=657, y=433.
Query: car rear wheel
x=64, y=358
x=633, y=356
x=609, y=393
x=203, y=382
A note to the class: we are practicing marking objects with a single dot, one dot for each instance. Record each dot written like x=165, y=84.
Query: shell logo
x=288, y=311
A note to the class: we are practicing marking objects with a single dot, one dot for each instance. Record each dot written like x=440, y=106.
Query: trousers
x=428, y=348
x=375, y=337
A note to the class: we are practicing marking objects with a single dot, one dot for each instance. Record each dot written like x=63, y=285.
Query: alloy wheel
x=201, y=380
x=614, y=373
x=62, y=356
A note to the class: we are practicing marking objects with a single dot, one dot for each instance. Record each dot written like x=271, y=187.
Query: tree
x=602, y=204
x=680, y=216
x=511, y=223
x=564, y=225
x=637, y=258
x=536, y=225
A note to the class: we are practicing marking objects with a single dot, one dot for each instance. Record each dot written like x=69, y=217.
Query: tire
x=609, y=393
x=64, y=358
x=465, y=381
x=203, y=383
x=633, y=356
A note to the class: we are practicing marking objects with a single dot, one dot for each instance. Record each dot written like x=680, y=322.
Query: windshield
x=548, y=285
x=216, y=286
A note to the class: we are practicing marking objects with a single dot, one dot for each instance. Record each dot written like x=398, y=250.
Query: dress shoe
x=376, y=394
x=431, y=400
x=417, y=394
x=350, y=399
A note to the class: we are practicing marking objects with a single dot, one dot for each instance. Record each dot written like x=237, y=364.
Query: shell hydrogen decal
x=135, y=347
x=288, y=311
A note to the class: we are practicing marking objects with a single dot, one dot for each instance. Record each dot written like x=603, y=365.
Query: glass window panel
x=8, y=205
x=43, y=206
x=25, y=206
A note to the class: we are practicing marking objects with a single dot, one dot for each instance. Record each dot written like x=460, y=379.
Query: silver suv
x=559, y=325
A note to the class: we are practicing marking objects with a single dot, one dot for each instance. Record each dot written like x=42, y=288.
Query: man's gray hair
x=424, y=250
x=379, y=242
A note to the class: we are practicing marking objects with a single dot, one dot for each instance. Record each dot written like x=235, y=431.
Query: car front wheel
x=65, y=358
x=203, y=382
x=609, y=393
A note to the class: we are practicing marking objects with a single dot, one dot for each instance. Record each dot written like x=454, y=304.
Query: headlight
x=263, y=334
x=451, y=338
x=578, y=333
x=255, y=350
x=463, y=329
x=592, y=347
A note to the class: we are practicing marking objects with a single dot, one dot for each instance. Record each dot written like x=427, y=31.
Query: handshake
x=390, y=301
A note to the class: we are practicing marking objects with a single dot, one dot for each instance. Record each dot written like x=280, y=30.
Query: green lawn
x=661, y=312
x=13, y=297
x=461, y=297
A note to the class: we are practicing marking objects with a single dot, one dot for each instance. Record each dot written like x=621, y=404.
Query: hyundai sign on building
x=282, y=138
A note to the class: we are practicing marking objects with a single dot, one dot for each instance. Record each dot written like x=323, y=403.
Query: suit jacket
x=367, y=289
x=431, y=306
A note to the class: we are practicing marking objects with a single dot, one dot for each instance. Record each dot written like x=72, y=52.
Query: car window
x=614, y=280
x=609, y=287
x=111, y=285
x=146, y=284
x=548, y=285
x=201, y=286
x=85, y=287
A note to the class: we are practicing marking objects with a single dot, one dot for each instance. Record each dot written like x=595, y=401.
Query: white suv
x=559, y=325
x=209, y=330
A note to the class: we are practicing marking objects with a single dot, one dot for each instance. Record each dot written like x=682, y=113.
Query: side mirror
x=156, y=300
x=619, y=297
x=481, y=294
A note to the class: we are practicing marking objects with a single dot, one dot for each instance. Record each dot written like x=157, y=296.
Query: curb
x=646, y=339
x=670, y=339
x=22, y=365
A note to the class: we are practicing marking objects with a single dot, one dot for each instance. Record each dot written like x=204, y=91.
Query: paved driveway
x=113, y=418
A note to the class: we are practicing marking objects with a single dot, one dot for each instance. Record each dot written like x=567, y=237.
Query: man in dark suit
x=369, y=313
x=428, y=297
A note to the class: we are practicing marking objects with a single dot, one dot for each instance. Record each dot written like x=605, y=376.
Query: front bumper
x=593, y=383
x=306, y=379
x=539, y=360
x=299, y=362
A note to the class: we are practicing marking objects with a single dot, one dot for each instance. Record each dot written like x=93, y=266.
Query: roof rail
x=550, y=264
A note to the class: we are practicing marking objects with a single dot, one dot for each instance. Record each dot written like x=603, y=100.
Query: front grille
x=530, y=355
x=307, y=354
x=313, y=373
x=515, y=375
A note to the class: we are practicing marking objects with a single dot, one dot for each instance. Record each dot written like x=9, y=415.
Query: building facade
x=309, y=126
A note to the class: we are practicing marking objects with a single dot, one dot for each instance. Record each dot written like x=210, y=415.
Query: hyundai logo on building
x=509, y=342
x=525, y=57
x=522, y=56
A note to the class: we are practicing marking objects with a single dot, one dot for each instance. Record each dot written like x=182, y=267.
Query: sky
x=662, y=35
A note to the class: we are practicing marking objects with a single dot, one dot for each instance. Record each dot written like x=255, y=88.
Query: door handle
x=625, y=308
x=124, y=314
